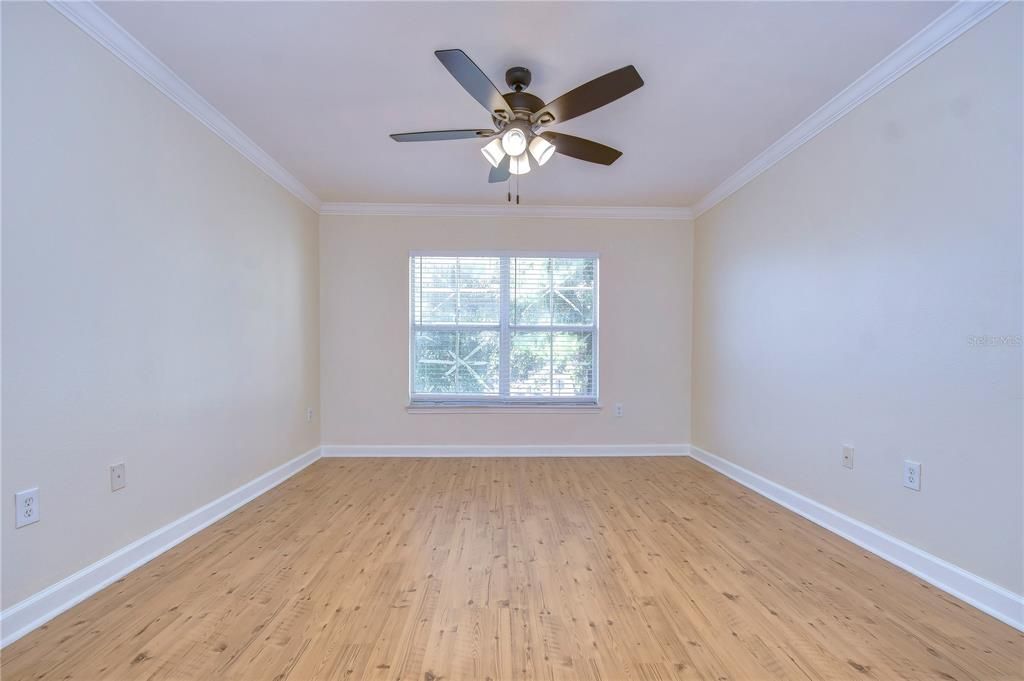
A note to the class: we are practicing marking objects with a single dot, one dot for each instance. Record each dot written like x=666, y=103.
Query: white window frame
x=503, y=399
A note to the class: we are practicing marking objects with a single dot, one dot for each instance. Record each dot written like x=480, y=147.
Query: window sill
x=503, y=408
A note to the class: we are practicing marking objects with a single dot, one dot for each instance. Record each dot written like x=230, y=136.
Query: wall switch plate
x=847, y=456
x=117, y=479
x=619, y=411
x=912, y=475
x=26, y=506
x=309, y=414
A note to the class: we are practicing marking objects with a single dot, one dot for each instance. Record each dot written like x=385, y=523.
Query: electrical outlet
x=619, y=411
x=309, y=414
x=847, y=456
x=26, y=506
x=912, y=475
x=117, y=479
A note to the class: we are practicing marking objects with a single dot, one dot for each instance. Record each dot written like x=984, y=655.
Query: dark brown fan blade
x=439, y=135
x=584, y=150
x=474, y=81
x=590, y=96
x=501, y=173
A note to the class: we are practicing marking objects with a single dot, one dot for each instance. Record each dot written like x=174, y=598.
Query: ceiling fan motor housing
x=523, y=104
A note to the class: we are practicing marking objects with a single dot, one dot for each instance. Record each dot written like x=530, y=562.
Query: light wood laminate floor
x=445, y=569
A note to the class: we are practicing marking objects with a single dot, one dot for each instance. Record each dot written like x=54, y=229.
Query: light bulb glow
x=519, y=165
x=493, y=152
x=541, y=149
x=513, y=142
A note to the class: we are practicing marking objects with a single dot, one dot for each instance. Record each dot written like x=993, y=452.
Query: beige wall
x=160, y=302
x=165, y=306
x=645, y=279
x=835, y=296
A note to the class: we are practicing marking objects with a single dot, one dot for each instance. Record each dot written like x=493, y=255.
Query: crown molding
x=98, y=25
x=505, y=210
x=101, y=27
x=929, y=40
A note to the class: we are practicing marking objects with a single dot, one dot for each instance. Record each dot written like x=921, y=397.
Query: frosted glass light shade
x=541, y=149
x=493, y=152
x=513, y=142
x=519, y=165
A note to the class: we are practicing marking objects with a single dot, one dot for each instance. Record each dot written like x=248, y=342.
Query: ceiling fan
x=519, y=116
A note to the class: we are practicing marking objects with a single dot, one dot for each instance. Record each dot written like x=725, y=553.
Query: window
x=503, y=329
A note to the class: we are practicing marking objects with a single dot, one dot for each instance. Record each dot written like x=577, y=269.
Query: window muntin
x=503, y=328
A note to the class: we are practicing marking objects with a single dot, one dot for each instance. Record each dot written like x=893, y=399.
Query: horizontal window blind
x=502, y=328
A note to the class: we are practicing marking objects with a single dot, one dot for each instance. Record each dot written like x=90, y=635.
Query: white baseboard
x=23, y=617
x=39, y=608
x=453, y=451
x=990, y=598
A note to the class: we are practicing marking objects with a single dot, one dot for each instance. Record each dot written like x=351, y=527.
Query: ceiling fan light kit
x=519, y=117
x=519, y=165
x=513, y=140
x=494, y=152
x=541, y=150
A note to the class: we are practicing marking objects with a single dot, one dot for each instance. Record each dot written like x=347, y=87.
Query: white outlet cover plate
x=847, y=456
x=912, y=475
x=26, y=507
x=117, y=480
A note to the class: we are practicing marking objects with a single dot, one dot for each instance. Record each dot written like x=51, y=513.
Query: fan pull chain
x=508, y=195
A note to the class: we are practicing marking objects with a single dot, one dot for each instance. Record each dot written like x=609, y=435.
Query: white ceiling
x=319, y=86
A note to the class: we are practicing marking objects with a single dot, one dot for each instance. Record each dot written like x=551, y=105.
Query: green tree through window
x=503, y=328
